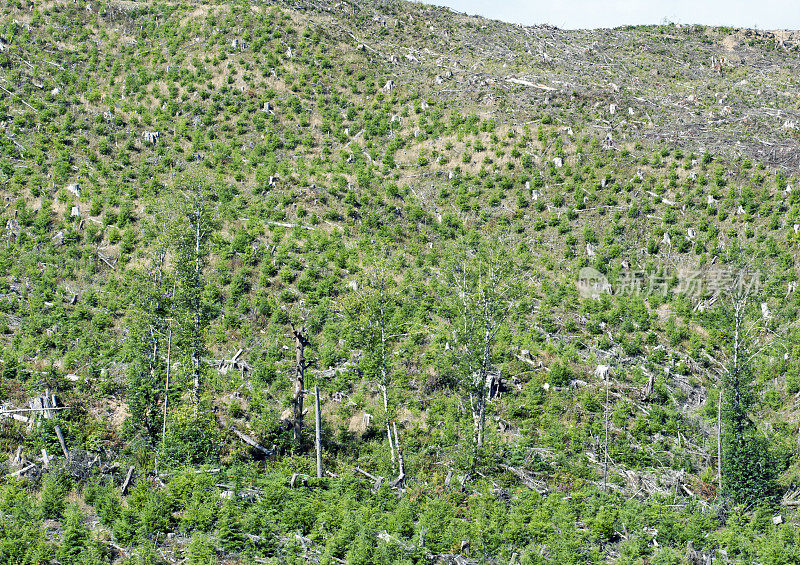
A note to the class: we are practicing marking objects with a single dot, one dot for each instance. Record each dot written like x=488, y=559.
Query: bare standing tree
x=749, y=332
x=484, y=290
x=371, y=314
x=192, y=226
x=300, y=365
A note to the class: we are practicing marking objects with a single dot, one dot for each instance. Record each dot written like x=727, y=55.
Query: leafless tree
x=483, y=291
x=190, y=214
x=371, y=311
x=752, y=333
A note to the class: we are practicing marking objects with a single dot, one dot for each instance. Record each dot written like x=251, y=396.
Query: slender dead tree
x=605, y=440
x=318, y=430
x=749, y=331
x=483, y=291
x=194, y=224
x=372, y=317
x=148, y=326
x=300, y=365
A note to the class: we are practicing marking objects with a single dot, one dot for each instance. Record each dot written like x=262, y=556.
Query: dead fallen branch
x=253, y=443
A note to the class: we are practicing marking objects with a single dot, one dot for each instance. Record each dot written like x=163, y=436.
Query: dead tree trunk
x=166, y=386
x=605, y=441
x=719, y=440
x=386, y=413
x=61, y=442
x=198, y=269
x=482, y=392
x=155, y=360
x=318, y=435
x=399, y=482
x=301, y=341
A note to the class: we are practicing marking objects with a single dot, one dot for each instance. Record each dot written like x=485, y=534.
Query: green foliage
x=282, y=174
x=24, y=542
x=155, y=514
x=231, y=537
x=483, y=292
x=126, y=528
x=105, y=500
x=75, y=543
x=22, y=539
x=55, y=487
x=202, y=506
x=363, y=549
x=438, y=519
x=191, y=439
x=201, y=551
x=560, y=374
x=667, y=556
x=146, y=554
x=749, y=468
x=603, y=524
x=150, y=339
x=153, y=508
x=194, y=226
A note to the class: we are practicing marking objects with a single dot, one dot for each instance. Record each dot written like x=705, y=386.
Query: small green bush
x=55, y=487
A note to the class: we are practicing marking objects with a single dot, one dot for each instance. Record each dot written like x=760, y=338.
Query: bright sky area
x=582, y=14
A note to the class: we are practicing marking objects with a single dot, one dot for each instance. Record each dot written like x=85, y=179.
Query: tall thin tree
x=483, y=290
x=147, y=325
x=371, y=315
x=194, y=224
x=745, y=469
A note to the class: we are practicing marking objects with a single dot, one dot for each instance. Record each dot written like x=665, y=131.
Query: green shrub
x=201, y=551
x=55, y=487
x=75, y=547
x=107, y=505
x=155, y=514
x=666, y=556
x=202, y=508
x=191, y=438
x=231, y=537
x=126, y=527
x=603, y=523
x=560, y=374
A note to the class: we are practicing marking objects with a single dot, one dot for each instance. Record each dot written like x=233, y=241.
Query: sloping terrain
x=544, y=281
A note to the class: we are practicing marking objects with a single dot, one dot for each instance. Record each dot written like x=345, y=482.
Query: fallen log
x=528, y=83
x=106, y=260
x=387, y=537
x=236, y=357
x=61, y=442
x=127, y=480
x=23, y=470
x=17, y=410
x=399, y=481
x=121, y=550
x=253, y=443
x=526, y=480
x=295, y=477
x=367, y=474
x=376, y=481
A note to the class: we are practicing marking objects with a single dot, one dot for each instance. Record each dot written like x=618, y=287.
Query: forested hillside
x=376, y=282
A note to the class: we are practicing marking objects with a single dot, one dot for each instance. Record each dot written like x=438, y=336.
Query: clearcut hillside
x=544, y=281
